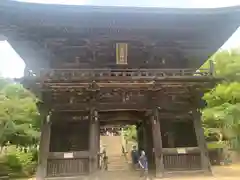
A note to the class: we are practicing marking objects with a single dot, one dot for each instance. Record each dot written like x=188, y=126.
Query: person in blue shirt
x=143, y=163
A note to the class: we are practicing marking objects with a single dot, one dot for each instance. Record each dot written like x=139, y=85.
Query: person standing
x=135, y=157
x=143, y=163
x=104, y=159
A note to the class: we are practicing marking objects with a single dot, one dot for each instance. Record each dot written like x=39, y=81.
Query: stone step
x=119, y=169
x=119, y=175
x=117, y=158
x=118, y=165
x=114, y=160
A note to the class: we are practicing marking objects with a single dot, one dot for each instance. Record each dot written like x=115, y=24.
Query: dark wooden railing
x=180, y=162
x=67, y=167
x=177, y=159
x=58, y=165
x=76, y=74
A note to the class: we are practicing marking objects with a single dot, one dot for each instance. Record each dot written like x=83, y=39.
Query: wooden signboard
x=68, y=155
x=181, y=151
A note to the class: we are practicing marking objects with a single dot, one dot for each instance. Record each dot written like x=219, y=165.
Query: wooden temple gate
x=74, y=107
x=85, y=62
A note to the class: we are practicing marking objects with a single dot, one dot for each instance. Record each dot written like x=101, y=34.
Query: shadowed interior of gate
x=71, y=136
x=70, y=142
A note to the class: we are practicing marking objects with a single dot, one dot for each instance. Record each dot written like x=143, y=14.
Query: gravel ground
x=219, y=173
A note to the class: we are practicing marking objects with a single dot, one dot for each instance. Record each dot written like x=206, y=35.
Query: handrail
x=92, y=73
x=124, y=70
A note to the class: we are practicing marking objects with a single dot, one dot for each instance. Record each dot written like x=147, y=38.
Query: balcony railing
x=84, y=74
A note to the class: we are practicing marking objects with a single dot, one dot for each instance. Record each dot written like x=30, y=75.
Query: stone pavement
x=219, y=173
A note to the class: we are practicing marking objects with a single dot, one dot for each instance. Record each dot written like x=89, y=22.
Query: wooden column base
x=157, y=144
x=43, y=150
x=93, y=149
x=206, y=167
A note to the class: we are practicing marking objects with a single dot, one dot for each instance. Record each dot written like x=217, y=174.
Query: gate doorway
x=115, y=140
x=72, y=141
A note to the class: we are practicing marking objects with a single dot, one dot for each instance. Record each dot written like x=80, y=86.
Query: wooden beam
x=76, y=154
x=157, y=143
x=113, y=95
x=171, y=90
x=132, y=75
x=100, y=107
x=178, y=109
x=81, y=83
x=133, y=78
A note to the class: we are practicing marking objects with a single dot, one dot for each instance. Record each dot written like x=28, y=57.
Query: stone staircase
x=116, y=160
x=117, y=163
x=118, y=175
x=113, y=145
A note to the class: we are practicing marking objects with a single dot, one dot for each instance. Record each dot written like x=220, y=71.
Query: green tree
x=226, y=64
x=221, y=116
x=18, y=114
x=130, y=133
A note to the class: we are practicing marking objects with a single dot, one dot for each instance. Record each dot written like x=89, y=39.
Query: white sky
x=11, y=65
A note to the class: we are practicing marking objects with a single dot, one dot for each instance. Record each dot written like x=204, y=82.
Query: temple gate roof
x=43, y=34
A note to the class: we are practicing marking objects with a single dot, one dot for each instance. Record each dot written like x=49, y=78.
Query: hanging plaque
x=121, y=53
x=68, y=155
x=181, y=151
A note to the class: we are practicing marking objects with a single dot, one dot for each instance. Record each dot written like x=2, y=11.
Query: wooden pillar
x=205, y=163
x=98, y=142
x=44, y=146
x=149, y=144
x=93, y=149
x=145, y=137
x=140, y=137
x=137, y=132
x=98, y=136
x=157, y=143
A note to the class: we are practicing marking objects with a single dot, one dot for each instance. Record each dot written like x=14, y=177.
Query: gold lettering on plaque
x=121, y=53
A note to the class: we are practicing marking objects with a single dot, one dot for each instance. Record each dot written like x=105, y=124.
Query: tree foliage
x=18, y=114
x=130, y=133
x=226, y=64
x=221, y=116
